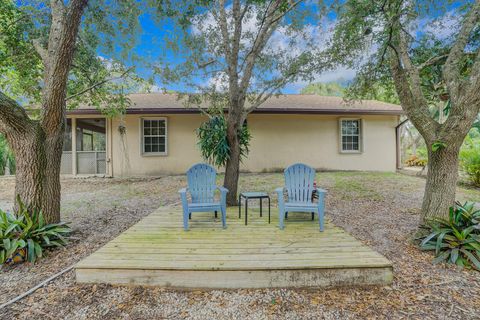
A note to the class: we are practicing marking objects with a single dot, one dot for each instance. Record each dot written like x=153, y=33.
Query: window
x=350, y=133
x=154, y=136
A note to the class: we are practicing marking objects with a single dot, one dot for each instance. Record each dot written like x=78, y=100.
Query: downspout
x=398, y=143
x=110, y=147
x=74, y=146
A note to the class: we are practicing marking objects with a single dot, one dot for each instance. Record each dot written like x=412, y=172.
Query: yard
x=380, y=209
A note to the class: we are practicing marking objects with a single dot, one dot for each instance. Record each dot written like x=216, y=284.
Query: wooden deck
x=156, y=251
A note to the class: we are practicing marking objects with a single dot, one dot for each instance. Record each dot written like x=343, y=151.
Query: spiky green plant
x=26, y=229
x=213, y=143
x=455, y=239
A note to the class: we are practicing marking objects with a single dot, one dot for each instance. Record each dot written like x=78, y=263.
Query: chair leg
x=281, y=217
x=190, y=216
x=224, y=217
x=286, y=215
x=313, y=216
x=216, y=215
x=185, y=220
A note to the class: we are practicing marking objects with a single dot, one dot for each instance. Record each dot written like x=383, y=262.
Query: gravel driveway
x=381, y=210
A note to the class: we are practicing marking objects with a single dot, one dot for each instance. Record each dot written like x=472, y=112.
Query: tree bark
x=235, y=120
x=37, y=145
x=37, y=179
x=441, y=183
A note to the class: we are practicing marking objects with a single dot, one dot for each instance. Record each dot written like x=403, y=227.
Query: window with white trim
x=154, y=136
x=350, y=135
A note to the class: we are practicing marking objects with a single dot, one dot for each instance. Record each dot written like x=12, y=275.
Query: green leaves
x=470, y=159
x=455, y=240
x=213, y=142
x=437, y=145
x=26, y=229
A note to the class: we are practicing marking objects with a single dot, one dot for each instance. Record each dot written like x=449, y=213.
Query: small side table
x=252, y=195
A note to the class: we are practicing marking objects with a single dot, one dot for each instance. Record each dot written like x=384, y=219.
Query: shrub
x=7, y=159
x=212, y=136
x=414, y=161
x=25, y=233
x=456, y=239
x=470, y=161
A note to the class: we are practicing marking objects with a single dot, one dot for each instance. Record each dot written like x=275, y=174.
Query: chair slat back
x=299, y=180
x=202, y=183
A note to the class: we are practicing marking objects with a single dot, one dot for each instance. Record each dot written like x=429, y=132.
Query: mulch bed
x=382, y=210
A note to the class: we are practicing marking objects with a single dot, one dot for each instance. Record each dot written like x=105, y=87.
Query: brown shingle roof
x=158, y=103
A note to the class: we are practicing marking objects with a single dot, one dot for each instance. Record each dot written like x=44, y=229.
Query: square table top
x=254, y=194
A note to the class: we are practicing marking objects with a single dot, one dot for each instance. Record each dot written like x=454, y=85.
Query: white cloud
x=443, y=27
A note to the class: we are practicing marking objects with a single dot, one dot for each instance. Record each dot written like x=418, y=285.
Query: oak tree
x=431, y=52
x=48, y=57
x=242, y=53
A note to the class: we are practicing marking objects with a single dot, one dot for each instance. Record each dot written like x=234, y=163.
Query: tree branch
x=98, y=84
x=12, y=116
x=431, y=61
x=451, y=68
x=61, y=47
x=42, y=52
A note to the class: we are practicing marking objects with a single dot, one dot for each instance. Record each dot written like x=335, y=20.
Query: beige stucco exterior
x=278, y=140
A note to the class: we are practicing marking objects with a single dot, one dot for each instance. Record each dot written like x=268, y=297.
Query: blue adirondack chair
x=299, y=184
x=201, y=186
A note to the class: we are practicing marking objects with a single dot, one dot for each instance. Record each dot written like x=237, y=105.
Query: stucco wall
x=277, y=141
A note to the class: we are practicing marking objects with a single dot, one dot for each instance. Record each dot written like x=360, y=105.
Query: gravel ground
x=382, y=210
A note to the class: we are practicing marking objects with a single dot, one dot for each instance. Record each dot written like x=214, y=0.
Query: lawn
x=380, y=209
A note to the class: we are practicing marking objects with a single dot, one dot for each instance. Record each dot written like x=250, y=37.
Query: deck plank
x=157, y=251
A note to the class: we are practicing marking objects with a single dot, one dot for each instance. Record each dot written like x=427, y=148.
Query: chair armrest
x=279, y=192
x=183, y=190
x=222, y=189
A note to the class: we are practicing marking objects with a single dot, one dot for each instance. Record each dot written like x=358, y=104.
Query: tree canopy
x=94, y=80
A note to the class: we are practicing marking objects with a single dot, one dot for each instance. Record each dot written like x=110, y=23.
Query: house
x=157, y=136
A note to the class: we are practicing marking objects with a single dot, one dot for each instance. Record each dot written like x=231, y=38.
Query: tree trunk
x=441, y=183
x=232, y=169
x=37, y=179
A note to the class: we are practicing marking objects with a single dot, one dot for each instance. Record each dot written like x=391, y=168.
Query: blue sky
x=152, y=48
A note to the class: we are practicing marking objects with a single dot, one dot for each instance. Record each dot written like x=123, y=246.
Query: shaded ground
x=379, y=209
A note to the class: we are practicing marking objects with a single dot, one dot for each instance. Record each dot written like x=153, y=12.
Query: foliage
x=415, y=161
x=7, y=159
x=324, y=89
x=258, y=48
x=212, y=136
x=97, y=77
x=456, y=239
x=26, y=229
x=470, y=159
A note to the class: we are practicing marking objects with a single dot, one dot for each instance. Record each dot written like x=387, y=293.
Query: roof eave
x=257, y=111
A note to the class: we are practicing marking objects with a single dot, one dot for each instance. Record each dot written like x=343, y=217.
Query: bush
x=212, y=136
x=7, y=159
x=26, y=234
x=470, y=161
x=455, y=240
x=414, y=161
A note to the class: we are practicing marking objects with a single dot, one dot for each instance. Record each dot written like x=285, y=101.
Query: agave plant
x=27, y=230
x=455, y=240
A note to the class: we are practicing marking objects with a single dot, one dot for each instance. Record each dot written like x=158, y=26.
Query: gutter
x=256, y=111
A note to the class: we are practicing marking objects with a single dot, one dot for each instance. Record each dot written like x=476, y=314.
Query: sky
x=151, y=48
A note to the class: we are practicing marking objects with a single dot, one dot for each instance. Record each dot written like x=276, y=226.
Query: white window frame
x=142, y=137
x=360, y=135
